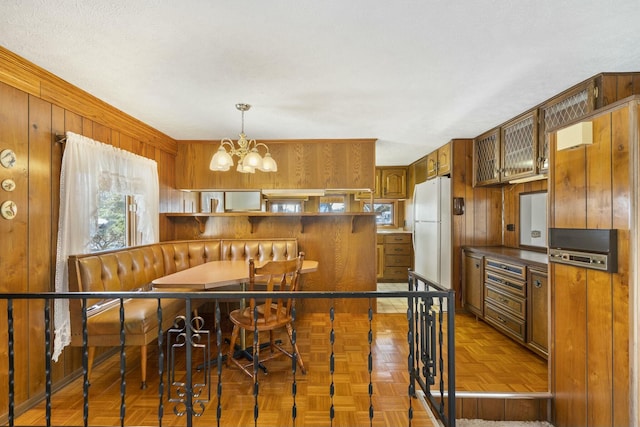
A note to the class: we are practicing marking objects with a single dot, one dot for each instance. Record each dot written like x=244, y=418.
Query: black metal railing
x=430, y=344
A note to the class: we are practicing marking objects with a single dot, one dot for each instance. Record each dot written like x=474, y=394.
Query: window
x=115, y=224
x=98, y=184
x=111, y=232
x=333, y=204
x=286, y=206
x=386, y=213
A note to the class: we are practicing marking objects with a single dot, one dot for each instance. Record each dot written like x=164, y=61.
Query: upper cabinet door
x=444, y=160
x=560, y=110
x=432, y=165
x=394, y=183
x=486, y=158
x=519, y=147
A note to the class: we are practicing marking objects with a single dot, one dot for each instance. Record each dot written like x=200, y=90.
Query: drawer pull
x=503, y=300
x=500, y=318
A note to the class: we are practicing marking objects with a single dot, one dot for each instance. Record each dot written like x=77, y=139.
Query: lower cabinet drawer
x=397, y=249
x=397, y=260
x=506, y=323
x=514, y=305
x=396, y=273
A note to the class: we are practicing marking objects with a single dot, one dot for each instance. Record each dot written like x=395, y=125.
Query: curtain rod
x=61, y=139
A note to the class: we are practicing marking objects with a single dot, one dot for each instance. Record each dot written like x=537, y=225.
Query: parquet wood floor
x=486, y=361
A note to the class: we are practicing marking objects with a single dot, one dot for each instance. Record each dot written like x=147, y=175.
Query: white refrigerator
x=432, y=230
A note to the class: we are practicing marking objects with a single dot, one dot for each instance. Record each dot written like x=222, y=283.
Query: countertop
x=392, y=230
x=530, y=257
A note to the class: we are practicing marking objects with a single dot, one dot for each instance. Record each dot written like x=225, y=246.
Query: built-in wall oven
x=588, y=248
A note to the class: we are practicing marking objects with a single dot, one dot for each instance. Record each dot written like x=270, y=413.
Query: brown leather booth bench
x=133, y=269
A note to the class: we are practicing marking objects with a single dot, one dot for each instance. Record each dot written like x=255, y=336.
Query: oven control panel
x=580, y=259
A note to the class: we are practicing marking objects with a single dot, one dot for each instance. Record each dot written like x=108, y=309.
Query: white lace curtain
x=89, y=167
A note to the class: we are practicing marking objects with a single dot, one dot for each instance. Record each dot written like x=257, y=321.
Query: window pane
x=111, y=224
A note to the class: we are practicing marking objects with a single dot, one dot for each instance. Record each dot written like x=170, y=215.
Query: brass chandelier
x=249, y=159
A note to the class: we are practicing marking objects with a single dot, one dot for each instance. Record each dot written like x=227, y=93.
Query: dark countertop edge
x=539, y=259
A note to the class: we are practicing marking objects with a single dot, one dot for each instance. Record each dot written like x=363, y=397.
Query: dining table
x=214, y=275
x=219, y=275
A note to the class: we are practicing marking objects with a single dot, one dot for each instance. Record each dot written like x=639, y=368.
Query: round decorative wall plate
x=8, y=184
x=7, y=158
x=8, y=209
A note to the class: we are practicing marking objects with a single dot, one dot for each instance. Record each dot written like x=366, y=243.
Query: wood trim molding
x=30, y=78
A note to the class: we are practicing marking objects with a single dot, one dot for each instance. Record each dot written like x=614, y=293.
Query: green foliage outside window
x=111, y=230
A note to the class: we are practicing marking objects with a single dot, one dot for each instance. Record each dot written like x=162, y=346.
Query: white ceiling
x=413, y=74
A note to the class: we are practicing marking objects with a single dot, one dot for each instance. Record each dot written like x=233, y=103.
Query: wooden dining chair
x=270, y=313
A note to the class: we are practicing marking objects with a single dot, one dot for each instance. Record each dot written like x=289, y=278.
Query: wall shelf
x=256, y=217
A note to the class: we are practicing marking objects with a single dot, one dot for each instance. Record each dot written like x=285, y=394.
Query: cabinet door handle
x=477, y=265
x=537, y=283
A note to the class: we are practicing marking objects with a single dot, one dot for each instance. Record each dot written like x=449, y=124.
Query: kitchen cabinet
x=393, y=183
x=390, y=183
x=379, y=256
x=398, y=257
x=514, y=290
x=538, y=312
x=439, y=162
x=519, y=147
x=505, y=297
x=486, y=158
x=564, y=108
x=507, y=152
x=473, y=291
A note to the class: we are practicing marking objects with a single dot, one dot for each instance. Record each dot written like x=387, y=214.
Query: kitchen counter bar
x=539, y=259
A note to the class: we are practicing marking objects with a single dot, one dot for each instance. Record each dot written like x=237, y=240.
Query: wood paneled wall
x=34, y=107
x=589, y=187
x=346, y=254
x=318, y=164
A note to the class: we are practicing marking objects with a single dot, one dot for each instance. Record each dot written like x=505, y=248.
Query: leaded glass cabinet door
x=519, y=147
x=573, y=105
x=486, y=158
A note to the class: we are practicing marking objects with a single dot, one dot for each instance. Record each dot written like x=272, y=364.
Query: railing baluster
x=123, y=365
x=189, y=347
x=11, y=361
x=47, y=359
x=85, y=365
x=160, y=365
x=332, y=362
x=370, y=364
x=256, y=364
x=410, y=359
x=294, y=366
x=219, y=363
x=451, y=357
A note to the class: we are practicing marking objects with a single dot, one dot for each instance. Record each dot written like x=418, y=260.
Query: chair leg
x=295, y=348
x=272, y=341
x=91, y=354
x=230, y=358
x=232, y=344
x=143, y=366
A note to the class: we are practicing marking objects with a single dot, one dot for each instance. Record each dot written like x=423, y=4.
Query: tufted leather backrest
x=119, y=270
x=134, y=268
x=259, y=249
x=183, y=254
